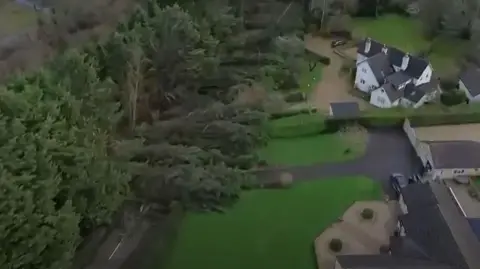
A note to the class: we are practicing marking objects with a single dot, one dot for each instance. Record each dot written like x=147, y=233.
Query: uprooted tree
x=152, y=109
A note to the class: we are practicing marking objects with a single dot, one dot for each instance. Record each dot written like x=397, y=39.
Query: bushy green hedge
x=295, y=126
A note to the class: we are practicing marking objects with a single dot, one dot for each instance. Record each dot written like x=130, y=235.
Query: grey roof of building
x=398, y=78
x=380, y=66
x=345, y=110
x=391, y=92
x=413, y=93
x=418, y=195
x=404, y=246
x=463, y=234
x=430, y=86
x=455, y=154
x=395, y=56
x=384, y=261
x=438, y=228
x=429, y=230
x=416, y=66
x=375, y=47
x=471, y=79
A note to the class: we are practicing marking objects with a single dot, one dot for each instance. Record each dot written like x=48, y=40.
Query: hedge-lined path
x=332, y=87
x=388, y=151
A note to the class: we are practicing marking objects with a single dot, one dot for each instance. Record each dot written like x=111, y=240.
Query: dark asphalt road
x=388, y=151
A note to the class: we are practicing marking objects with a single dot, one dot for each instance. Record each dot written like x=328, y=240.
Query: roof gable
x=375, y=47
x=471, y=79
x=416, y=66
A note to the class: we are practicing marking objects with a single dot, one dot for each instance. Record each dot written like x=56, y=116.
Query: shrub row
x=296, y=126
x=288, y=122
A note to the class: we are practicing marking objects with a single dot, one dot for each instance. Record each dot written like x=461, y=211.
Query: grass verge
x=268, y=228
x=15, y=18
x=310, y=78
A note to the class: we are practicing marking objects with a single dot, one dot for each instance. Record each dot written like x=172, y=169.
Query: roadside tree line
x=153, y=113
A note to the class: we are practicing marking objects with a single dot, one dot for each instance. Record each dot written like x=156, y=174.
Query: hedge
x=296, y=126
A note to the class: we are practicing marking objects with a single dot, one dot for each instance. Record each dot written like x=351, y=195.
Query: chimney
x=368, y=44
x=405, y=61
x=385, y=49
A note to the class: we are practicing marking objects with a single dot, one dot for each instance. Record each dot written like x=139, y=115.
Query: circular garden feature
x=335, y=245
x=367, y=214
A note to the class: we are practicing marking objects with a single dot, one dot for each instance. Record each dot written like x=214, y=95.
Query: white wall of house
x=401, y=86
x=451, y=173
x=337, y=265
x=403, y=206
x=330, y=111
x=461, y=86
x=360, y=58
x=380, y=99
x=365, y=80
x=406, y=103
x=425, y=77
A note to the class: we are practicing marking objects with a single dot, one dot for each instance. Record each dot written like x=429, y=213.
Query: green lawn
x=15, y=18
x=406, y=34
x=308, y=79
x=271, y=229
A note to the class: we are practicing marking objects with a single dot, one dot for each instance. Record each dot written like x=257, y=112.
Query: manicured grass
x=308, y=79
x=268, y=228
x=309, y=150
x=15, y=17
x=406, y=34
x=401, y=32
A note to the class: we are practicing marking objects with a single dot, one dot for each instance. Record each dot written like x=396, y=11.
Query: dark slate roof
x=430, y=86
x=380, y=66
x=427, y=227
x=416, y=66
x=395, y=56
x=385, y=262
x=463, y=235
x=375, y=47
x=475, y=225
x=404, y=246
x=345, y=110
x=413, y=93
x=391, y=92
x=398, y=78
x=418, y=195
x=455, y=154
x=471, y=80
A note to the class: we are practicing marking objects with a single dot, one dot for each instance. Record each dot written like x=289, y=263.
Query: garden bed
x=268, y=228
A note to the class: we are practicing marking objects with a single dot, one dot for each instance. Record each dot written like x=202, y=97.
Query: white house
x=470, y=83
x=392, y=77
x=443, y=155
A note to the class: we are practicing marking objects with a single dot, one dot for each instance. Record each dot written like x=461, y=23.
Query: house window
x=362, y=81
x=381, y=100
x=364, y=70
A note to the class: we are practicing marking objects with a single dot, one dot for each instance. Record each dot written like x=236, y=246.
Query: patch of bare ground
x=76, y=22
x=469, y=132
x=357, y=234
x=333, y=87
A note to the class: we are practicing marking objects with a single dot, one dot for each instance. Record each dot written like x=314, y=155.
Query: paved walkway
x=388, y=151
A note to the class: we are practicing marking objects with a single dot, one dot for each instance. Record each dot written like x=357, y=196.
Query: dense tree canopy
x=154, y=108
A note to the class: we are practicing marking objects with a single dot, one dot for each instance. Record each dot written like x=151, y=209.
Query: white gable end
x=380, y=99
x=365, y=80
x=426, y=76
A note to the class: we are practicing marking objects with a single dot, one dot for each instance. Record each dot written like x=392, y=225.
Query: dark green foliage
x=335, y=245
x=295, y=97
x=295, y=126
x=367, y=214
x=453, y=97
x=448, y=84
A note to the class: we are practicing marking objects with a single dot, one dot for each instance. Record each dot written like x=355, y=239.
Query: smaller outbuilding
x=344, y=110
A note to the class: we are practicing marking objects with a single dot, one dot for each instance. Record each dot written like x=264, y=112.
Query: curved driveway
x=388, y=151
